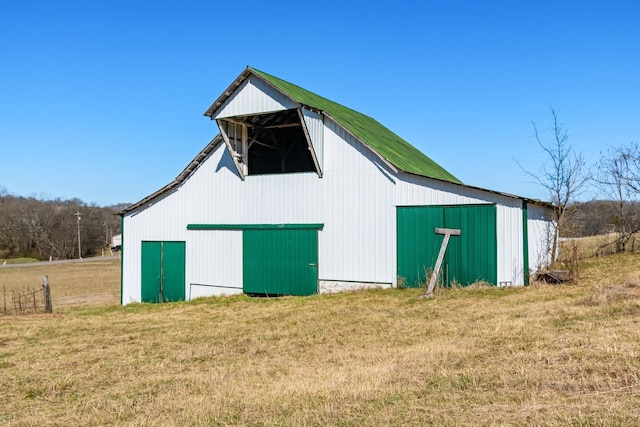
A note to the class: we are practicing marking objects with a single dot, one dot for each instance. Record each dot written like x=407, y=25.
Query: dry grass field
x=93, y=281
x=541, y=355
x=587, y=247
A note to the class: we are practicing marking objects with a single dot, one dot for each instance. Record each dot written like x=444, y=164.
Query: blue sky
x=104, y=101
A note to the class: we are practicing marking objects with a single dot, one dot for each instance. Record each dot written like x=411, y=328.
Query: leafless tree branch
x=564, y=176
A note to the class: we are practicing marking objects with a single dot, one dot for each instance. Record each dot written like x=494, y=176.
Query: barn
x=297, y=195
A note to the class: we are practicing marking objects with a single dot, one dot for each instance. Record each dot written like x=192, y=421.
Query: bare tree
x=564, y=175
x=619, y=178
x=630, y=159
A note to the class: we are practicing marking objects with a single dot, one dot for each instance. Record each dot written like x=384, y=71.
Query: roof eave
x=228, y=92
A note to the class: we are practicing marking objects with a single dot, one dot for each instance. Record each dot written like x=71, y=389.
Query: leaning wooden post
x=48, y=307
x=448, y=232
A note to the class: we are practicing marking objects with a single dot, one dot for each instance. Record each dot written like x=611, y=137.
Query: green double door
x=280, y=261
x=470, y=257
x=163, y=271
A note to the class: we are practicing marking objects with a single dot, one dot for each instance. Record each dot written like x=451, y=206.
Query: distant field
x=541, y=355
x=92, y=281
x=594, y=245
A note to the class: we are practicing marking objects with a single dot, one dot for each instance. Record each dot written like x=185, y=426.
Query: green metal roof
x=394, y=149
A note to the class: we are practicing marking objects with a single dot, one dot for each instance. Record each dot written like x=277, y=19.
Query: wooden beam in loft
x=284, y=125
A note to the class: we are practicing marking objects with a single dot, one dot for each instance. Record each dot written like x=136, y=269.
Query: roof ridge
x=271, y=76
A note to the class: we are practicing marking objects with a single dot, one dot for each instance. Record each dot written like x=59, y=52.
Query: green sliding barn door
x=280, y=261
x=163, y=271
x=470, y=257
x=418, y=247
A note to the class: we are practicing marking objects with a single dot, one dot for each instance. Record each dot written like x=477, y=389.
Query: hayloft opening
x=269, y=143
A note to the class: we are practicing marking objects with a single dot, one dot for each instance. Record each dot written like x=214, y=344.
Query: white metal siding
x=315, y=127
x=413, y=190
x=214, y=262
x=510, y=244
x=540, y=233
x=254, y=96
x=358, y=241
x=199, y=291
x=216, y=195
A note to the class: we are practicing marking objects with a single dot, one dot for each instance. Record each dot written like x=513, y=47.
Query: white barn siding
x=510, y=245
x=214, y=263
x=540, y=236
x=357, y=244
x=254, y=96
x=217, y=195
x=412, y=190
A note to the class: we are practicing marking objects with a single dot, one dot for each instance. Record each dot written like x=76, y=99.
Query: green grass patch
x=23, y=260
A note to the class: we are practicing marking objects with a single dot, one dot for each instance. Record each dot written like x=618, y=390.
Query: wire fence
x=27, y=301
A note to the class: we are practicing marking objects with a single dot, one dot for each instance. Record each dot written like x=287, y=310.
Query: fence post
x=48, y=308
x=4, y=298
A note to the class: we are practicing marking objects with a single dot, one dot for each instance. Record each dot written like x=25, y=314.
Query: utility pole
x=77, y=214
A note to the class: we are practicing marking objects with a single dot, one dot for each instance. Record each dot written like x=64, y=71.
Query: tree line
x=595, y=217
x=45, y=229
